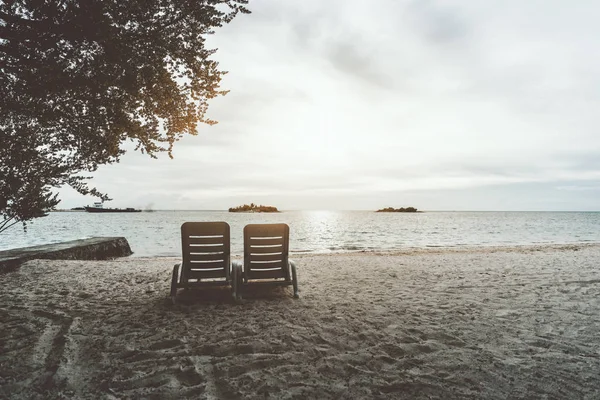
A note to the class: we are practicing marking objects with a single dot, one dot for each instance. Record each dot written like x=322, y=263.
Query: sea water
x=157, y=233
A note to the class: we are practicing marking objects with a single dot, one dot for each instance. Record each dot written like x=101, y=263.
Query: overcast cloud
x=441, y=105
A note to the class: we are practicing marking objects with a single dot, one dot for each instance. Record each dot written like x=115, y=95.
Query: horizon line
x=340, y=210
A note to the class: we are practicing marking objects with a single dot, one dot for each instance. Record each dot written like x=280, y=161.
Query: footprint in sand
x=189, y=376
x=165, y=344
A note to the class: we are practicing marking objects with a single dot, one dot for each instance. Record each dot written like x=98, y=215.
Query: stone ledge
x=98, y=248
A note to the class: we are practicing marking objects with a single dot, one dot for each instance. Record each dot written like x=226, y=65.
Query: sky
x=359, y=105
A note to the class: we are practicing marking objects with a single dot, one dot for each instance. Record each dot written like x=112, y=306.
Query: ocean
x=157, y=233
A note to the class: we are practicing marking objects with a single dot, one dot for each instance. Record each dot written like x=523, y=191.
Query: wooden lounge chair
x=266, y=259
x=206, y=258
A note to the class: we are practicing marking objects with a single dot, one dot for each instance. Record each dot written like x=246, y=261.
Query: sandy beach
x=491, y=323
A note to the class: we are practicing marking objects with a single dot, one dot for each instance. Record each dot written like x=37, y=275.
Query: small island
x=401, y=209
x=254, y=208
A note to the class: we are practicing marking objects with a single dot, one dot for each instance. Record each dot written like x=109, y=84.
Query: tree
x=78, y=78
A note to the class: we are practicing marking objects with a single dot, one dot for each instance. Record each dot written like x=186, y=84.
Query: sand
x=481, y=323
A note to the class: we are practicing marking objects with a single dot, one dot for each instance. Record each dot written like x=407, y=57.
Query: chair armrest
x=292, y=264
x=236, y=270
x=176, y=272
x=174, y=281
x=240, y=267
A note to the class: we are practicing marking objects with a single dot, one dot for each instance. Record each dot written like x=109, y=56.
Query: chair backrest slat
x=207, y=257
x=266, y=251
x=214, y=248
x=266, y=242
x=267, y=257
x=208, y=240
x=204, y=274
x=205, y=249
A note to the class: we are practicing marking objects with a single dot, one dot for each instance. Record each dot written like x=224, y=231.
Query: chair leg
x=294, y=278
x=174, y=282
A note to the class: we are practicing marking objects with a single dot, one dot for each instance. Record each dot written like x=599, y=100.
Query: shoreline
x=510, y=322
x=397, y=251
x=420, y=250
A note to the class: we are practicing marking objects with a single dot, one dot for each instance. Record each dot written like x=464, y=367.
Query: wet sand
x=490, y=323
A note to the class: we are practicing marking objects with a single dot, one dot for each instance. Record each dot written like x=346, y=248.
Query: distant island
x=401, y=209
x=254, y=208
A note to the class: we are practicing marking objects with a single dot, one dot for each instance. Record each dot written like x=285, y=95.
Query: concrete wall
x=99, y=248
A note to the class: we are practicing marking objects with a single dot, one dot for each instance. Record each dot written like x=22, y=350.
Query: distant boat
x=99, y=208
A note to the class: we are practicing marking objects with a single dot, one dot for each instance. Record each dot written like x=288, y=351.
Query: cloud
x=349, y=57
x=352, y=104
x=437, y=23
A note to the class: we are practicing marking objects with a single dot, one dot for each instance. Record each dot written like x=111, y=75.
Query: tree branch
x=6, y=221
x=3, y=229
x=15, y=20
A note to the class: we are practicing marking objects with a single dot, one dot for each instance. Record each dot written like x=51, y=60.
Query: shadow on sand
x=223, y=295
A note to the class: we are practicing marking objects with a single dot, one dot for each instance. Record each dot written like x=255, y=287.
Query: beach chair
x=266, y=259
x=206, y=258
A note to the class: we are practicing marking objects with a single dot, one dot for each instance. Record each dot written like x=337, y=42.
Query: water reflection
x=158, y=233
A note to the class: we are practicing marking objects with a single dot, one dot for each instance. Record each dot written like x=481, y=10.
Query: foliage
x=401, y=209
x=253, y=208
x=79, y=78
x=24, y=188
